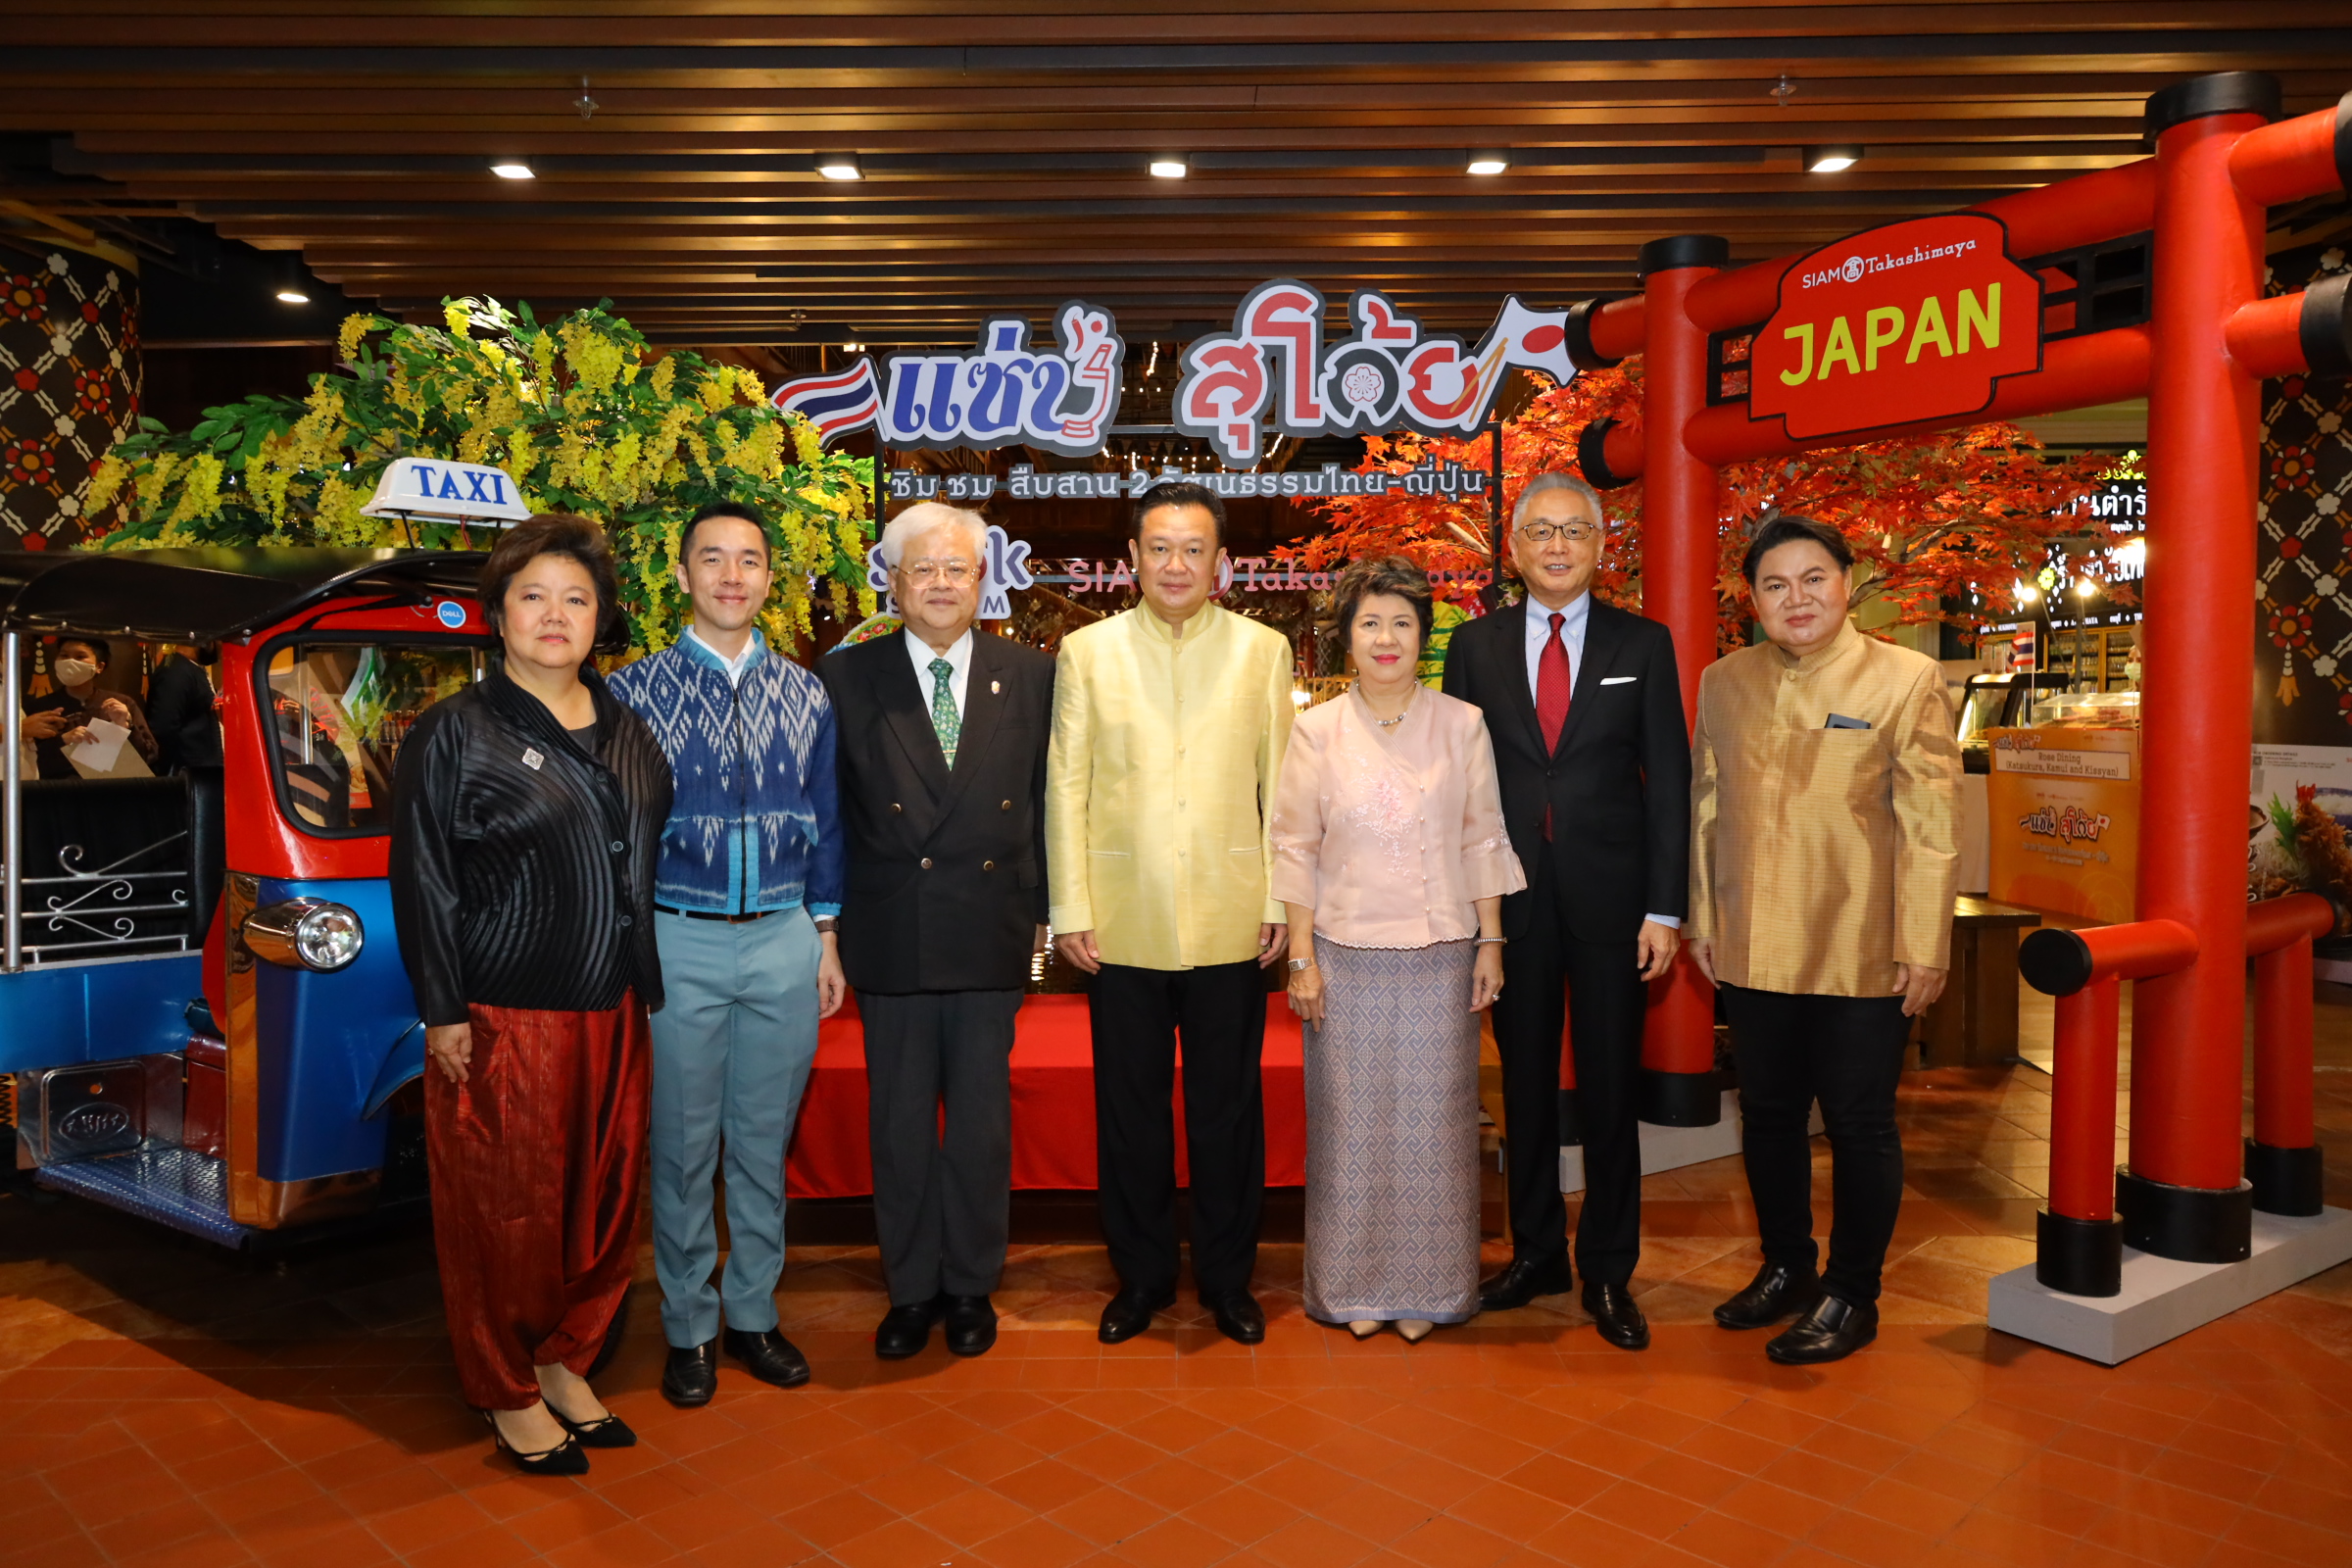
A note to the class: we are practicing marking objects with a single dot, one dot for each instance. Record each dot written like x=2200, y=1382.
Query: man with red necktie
x=1586, y=711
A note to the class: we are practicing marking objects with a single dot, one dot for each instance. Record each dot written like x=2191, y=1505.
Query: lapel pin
x=994, y=687
x=532, y=757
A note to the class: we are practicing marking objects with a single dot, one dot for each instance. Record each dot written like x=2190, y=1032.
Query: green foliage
x=571, y=409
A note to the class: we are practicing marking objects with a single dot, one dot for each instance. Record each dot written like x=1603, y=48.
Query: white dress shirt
x=959, y=657
x=753, y=642
x=1573, y=620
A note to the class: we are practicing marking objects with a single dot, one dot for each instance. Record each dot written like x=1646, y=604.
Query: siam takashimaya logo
x=2068, y=826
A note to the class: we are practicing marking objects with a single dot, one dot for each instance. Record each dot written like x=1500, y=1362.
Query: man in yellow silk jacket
x=1169, y=722
x=1824, y=801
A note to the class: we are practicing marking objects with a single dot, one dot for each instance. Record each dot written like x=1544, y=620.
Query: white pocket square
x=1619, y=681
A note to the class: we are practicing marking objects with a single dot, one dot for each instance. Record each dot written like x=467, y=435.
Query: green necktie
x=946, y=723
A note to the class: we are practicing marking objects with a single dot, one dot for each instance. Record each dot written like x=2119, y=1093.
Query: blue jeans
x=732, y=1045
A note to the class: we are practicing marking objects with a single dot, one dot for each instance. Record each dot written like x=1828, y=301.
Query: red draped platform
x=1053, y=1104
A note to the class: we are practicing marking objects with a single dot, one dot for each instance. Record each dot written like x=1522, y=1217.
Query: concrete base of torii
x=2162, y=1299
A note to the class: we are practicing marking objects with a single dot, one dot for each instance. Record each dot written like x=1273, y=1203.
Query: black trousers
x=1847, y=1052
x=1137, y=1015
x=939, y=1111
x=1603, y=1009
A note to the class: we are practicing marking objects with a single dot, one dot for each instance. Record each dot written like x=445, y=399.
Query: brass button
x=895, y=806
x=1003, y=805
x=926, y=862
x=988, y=865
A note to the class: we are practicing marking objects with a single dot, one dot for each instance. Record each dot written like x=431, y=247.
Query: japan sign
x=1916, y=320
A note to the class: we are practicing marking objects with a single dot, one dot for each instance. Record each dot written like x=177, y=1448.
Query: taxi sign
x=443, y=488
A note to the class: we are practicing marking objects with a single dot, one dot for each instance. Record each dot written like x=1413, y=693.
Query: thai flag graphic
x=835, y=404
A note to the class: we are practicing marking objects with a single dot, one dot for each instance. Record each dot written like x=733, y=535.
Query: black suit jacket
x=946, y=874
x=1619, y=784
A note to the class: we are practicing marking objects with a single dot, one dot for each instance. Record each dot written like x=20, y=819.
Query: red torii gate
x=2221, y=157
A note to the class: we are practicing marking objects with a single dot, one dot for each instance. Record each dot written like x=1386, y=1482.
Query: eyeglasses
x=1543, y=534
x=957, y=572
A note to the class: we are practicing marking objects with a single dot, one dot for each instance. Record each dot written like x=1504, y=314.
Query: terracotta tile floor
x=160, y=1403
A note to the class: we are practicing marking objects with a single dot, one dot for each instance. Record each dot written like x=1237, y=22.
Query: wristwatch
x=1300, y=965
x=825, y=924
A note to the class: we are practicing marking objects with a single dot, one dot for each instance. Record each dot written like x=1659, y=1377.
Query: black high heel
x=565, y=1458
x=607, y=1431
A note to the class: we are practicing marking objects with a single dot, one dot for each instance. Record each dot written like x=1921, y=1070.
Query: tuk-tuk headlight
x=306, y=934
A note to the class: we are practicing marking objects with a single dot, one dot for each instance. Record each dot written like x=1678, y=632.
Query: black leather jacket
x=522, y=867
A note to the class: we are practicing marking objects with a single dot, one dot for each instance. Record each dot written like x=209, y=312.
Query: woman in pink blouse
x=1389, y=850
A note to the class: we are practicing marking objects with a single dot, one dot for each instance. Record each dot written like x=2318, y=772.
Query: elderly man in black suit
x=941, y=746
x=1586, y=711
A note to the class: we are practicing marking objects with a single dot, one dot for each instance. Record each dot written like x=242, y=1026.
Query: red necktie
x=1552, y=695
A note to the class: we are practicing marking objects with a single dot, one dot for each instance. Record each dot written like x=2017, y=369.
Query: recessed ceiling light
x=1830, y=160
x=1488, y=162
x=513, y=169
x=293, y=296
x=1168, y=167
x=840, y=166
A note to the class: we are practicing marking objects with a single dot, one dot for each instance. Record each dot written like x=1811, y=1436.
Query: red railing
x=2079, y=1240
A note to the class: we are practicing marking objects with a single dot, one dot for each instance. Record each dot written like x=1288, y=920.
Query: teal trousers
x=732, y=1045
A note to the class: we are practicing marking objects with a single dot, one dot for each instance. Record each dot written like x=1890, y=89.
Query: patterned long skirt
x=1391, y=1136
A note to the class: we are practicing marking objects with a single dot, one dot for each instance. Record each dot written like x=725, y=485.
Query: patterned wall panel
x=2303, y=638
x=70, y=387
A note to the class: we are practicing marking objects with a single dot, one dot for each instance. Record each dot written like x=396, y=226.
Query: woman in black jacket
x=527, y=812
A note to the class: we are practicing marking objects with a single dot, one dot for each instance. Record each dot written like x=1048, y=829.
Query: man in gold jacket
x=1824, y=800
x=1169, y=722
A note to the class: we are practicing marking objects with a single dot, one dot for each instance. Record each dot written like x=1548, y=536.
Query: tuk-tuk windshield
x=339, y=713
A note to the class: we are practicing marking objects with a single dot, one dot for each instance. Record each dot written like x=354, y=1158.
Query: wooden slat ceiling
x=1005, y=149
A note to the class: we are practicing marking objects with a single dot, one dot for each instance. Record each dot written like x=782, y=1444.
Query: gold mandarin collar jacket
x=1160, y=782
x=1821, y=859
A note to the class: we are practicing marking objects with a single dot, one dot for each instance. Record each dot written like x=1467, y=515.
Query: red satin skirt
x=537, y=1161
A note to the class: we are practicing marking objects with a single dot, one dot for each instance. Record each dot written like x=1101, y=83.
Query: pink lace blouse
x=1391, y=834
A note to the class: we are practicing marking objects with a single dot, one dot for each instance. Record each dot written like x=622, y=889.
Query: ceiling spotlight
x=840, y=166
x=1488, y=162
x=1830, y=160
x=293, y=296
x=291, y=290
x=513, y=169
x=853, y=348
x=1168, y=167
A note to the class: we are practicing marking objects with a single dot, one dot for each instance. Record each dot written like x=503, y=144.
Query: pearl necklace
x=1390, y=723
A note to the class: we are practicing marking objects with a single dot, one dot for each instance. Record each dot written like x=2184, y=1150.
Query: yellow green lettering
x=1930, y=329
x=1880, y=328
x=1804, y=371
x=1840, y=346
x=1986, y=319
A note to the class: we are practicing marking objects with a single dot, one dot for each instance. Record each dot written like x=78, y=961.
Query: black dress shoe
x=1239, y=1317
x=565, y=1458
x=767, y=1356
x=906, y=1330
x=691, y=1376
x=1523, y=1282
x=1831, y=1331
x=1617, y=1315
x=1774, y=1294
x=605, y=1432
x=1129, y=1313
x=971, y=1324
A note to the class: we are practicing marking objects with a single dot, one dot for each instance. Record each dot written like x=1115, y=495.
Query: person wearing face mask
x=1169, y=722
x=526, y=812
x=62, y=719
x=1823, y=865
x=748, y=890
x=943, y=779
x=1391, y=856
